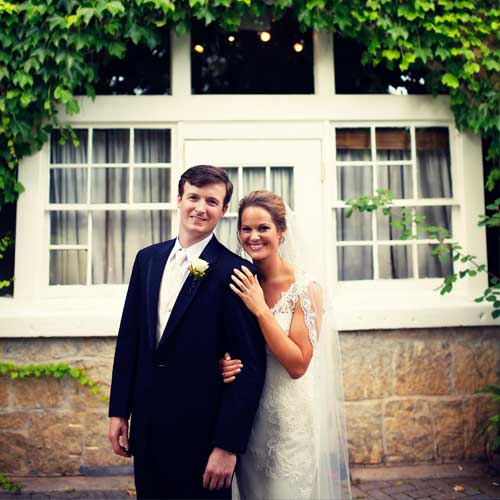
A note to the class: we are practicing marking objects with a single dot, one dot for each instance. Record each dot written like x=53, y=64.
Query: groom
x=179, y=317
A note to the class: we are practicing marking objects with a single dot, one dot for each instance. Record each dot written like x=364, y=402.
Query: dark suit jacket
x=179, y=406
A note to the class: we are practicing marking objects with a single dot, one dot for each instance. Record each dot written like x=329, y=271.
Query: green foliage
x=492, y=428
x=443, y=249
x=53, y=370
x=6, y=242
x=49, y=53
x=9, y=485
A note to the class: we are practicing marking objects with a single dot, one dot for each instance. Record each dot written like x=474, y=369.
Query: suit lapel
x=189, y=289
x=153, y=280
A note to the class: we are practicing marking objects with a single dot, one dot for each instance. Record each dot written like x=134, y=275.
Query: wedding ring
x=243, y=288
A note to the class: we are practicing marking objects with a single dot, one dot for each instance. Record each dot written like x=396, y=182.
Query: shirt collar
x=194, y=251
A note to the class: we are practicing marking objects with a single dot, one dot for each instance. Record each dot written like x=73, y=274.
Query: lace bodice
x=282, y=444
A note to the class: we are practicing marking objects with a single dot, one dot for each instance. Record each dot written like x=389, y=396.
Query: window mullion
x=131, y=155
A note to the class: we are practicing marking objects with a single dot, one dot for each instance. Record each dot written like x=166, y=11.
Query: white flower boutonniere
x=198, y=268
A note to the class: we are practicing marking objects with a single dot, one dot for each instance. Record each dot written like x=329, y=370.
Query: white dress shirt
x=193, y=252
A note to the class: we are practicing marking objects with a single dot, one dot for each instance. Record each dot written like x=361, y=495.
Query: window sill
x=98, y=317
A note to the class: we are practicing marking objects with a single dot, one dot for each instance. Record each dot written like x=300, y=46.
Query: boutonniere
x=198, y=268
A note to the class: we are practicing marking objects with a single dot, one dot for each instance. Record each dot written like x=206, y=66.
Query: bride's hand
x=248, y=290
x=229, y=368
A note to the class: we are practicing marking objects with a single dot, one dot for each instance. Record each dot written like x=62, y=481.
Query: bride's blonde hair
x=269, y=201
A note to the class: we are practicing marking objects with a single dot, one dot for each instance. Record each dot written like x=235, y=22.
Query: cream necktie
x=174, y=277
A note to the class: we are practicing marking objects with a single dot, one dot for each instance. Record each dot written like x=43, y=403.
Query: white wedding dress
x=281, y=461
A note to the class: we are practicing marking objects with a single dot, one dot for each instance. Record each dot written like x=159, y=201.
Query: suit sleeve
x=240, y=399
x=125, y=362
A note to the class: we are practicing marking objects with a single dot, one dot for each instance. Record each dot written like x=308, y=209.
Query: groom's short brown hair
x=202, y=175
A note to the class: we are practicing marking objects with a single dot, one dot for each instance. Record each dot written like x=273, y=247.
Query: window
x=108, y=197
x=413, y=163
x=143, y=71
x=247, y=62
x=246, y=179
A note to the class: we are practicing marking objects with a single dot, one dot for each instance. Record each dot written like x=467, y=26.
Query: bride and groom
x=275, y=415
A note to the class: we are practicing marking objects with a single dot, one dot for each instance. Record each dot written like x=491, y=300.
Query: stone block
x=27, y=351
x=56, y=443
x=4, y=392
x=65, y=348
x=16, y=421
x=103, y=457
x=14, y=453
x=367, y=368
x=475, y=365
x=449, y=429
x=44, y=393
x=96, y=429
x=96, y=347
x=477, y=409
x=408, y=431
x=422, y=368
x=364, y=432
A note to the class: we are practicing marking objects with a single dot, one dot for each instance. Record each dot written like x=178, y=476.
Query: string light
x=199, y=48
x=231, y=38
x=298, y=46
x=265, y=36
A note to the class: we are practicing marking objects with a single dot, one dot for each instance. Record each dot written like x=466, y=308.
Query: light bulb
x=231, y=38
x=265, y=36
x=298, y=46
x=199, y=48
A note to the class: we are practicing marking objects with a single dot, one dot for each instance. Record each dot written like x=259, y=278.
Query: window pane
x=395, y=262
x=232, y=173
x=282, y=183
x=151, y=185
x=109, y=185
x=353, y=144
x=110, y=146
x=435, y=216
x=68, y=267
x=357, y=227
x=253, y=178
x=227, y=231
x=354, y=77
x=385, y=231
x=68, y=228
x=397, y=179
x=119, y=235
x=354, y=181
x=241, y=63
x=433, y=163
x=152, y=146
x=429, y=266
x=355, y=263
x=68, y=152
x=68, y=185
x=142, y=71
x=393, y=144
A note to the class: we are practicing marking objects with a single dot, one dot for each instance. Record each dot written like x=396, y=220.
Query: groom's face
x=200, y=208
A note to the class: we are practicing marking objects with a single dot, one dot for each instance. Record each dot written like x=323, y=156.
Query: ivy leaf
x=391, y=54
x=450, y=80
x=115, y=7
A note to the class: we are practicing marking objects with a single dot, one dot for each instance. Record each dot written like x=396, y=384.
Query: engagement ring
x=243, y=288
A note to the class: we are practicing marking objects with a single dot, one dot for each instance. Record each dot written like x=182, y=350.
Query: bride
x=297, y=449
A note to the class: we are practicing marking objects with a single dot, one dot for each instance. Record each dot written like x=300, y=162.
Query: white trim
x=324, y=73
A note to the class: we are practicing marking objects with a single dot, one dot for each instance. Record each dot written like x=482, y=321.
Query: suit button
x=160, y=365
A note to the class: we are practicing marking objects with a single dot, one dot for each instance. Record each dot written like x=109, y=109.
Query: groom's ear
x=224, y=209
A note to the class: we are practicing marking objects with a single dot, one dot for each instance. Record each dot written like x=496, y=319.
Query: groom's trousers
x=151, y=483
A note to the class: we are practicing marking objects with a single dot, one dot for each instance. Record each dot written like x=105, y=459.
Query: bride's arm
x=293, y=351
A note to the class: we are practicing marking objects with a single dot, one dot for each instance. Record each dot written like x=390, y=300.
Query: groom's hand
x=118, y=428
x=219, y=470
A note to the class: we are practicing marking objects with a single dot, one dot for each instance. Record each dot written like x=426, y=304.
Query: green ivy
x=9, y=485
x=53, y=370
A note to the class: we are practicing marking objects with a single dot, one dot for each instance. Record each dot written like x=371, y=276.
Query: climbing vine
x=54, y=370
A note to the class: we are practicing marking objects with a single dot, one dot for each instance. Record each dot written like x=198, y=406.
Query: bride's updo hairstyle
x=269, y=201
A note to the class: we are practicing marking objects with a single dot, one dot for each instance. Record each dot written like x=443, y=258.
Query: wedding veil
x=330, y=436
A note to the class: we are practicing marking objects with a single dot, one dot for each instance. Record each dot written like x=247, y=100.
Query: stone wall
x=409, y=399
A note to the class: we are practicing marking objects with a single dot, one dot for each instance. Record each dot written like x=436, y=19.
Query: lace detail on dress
x=282, y=443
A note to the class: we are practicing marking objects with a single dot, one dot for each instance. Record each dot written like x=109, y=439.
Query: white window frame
x=360, y=306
